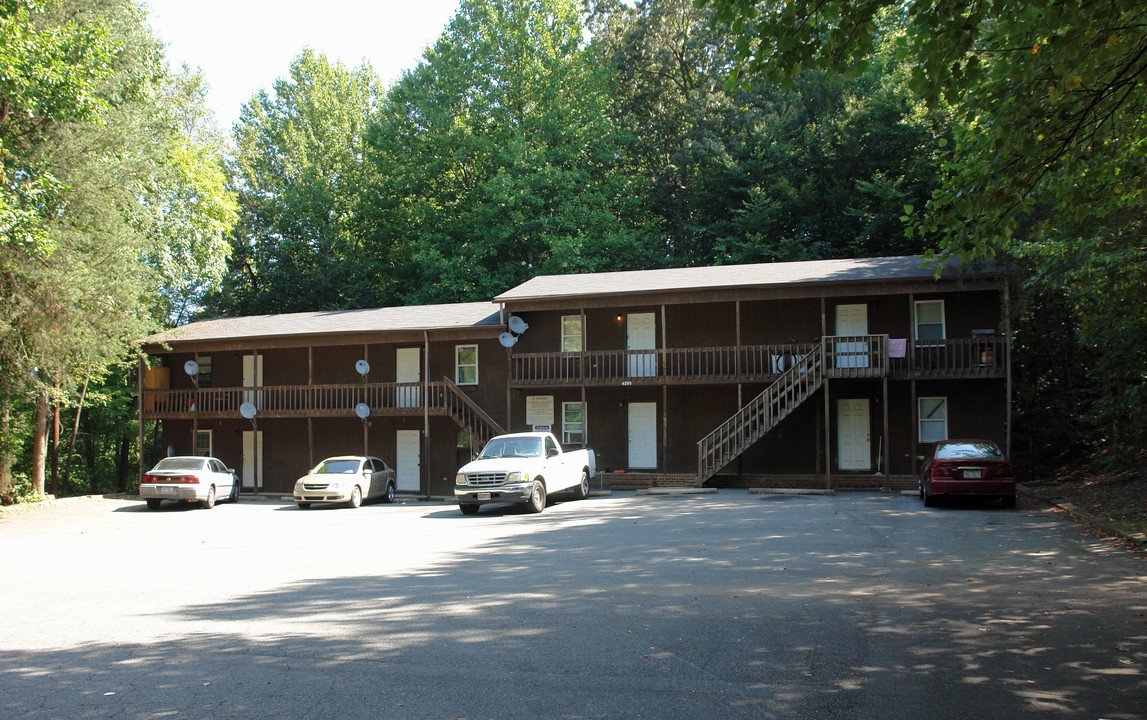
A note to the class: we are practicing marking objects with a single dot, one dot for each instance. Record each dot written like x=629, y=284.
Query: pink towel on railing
x=897, y=347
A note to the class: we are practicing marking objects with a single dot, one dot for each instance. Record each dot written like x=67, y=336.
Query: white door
x=408, y=459
x=854, y=445
x=408, y=369
x=641, y=334
x=851, y=320
x=642, y=435
x=253, y=377
x=253, y=469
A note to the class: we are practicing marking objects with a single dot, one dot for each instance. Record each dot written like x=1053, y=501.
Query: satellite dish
x=362, y=410
x=248, y=410
x=191, y=368
x=518, y=325
x=362, y=366
x=507, y=339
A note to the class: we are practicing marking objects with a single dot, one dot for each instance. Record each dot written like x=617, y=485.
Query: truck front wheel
x=538, y=497
x=468, y=509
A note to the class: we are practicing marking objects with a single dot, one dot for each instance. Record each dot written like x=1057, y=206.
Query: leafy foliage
x=93, y=169
x=1048, y=161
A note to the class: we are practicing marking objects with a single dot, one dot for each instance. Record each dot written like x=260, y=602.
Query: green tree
x=77, y=290
x=498, y=157
x=1048, y=162
x=299, y=172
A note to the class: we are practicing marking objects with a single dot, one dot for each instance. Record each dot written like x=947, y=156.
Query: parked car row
x=349, y=479
x=525, y=468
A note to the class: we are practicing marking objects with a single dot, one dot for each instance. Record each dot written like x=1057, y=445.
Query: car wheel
x=153, y=503
x=468, y=509
x=389, y=493
x=929, y=498
x=581, y=492
x=356, y=497
x=538, y=497
x=303, y=505
x=210, y=501
x=921, y=488
x=1008, y=501
x=234, y=496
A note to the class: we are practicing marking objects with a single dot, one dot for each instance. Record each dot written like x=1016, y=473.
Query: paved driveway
x=720, y=606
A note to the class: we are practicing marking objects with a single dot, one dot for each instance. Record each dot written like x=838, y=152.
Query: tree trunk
x=75, y=432
x=7, y=496
x=40, y=443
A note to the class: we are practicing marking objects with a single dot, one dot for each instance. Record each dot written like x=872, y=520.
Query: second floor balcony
x=845, y=357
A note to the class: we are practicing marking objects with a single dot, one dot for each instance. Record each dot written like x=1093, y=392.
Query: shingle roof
x=414, y=317
x=813, y=272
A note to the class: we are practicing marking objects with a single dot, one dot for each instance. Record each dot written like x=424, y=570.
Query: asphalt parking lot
x=717, y=606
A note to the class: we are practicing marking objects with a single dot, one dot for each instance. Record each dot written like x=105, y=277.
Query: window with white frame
x=466, y=364
x=930, y=320
x=204, y=370
x=933, y=418
x=572, y=333
x=203, y=443
x=573, y=423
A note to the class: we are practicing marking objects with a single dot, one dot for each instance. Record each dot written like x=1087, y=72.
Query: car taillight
x=938, y=471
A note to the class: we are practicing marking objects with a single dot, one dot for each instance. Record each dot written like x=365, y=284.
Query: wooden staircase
x=471, y=418
x=760, y=415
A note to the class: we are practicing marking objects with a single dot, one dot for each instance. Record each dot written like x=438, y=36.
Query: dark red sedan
x=967, y=468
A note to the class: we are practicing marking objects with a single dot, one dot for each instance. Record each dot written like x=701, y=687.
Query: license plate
x=483, y=496
x=165, y=490
x=972, y=474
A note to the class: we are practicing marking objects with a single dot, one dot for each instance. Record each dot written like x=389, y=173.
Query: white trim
x=916, y=319
x=210, y=443
x=580, y=333
x=941, y=422
x=458, y=366
x=580, y=426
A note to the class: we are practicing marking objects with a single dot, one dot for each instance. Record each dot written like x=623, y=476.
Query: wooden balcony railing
x=952, y=358
x=857, y=356
x=664, y=365
x=295, y=400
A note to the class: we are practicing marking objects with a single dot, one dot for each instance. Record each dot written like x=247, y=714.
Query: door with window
x=854, y=441
x=641, y=334
x=851, y=321
x=642, y=436
x=408, y=369
x=408, y=459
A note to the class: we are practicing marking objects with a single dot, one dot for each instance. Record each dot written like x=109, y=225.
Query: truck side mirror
x=551, y=452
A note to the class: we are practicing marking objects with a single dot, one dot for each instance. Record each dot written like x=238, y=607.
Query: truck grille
x=487, y=479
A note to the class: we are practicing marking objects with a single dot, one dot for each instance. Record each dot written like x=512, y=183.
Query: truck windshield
x=513, y=447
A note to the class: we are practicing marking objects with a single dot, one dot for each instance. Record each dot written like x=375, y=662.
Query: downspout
x=426, y=411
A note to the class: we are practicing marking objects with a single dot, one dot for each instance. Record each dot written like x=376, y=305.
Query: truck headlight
x=517, y=477
x=460, y=479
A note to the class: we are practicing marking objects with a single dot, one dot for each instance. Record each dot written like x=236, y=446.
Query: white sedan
x=189, y=479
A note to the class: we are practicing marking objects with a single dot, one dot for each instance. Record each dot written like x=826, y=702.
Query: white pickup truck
x=523, y=468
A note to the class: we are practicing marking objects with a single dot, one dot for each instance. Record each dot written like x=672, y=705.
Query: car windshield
x=336, y=467
x=513, y=447
x=180, y=463
x=969, y=451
